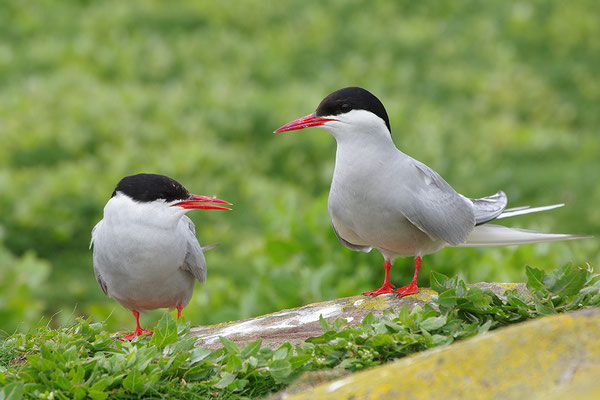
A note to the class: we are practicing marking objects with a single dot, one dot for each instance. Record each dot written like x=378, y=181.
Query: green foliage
x=463, y=312
x=83, y=360
x=491, y=95
x=20, y=280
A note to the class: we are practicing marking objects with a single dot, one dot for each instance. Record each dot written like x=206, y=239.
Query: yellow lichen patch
x=537, y=359
x=373, y=303
x=507, y=286
x=382, y=302
x=423, y=295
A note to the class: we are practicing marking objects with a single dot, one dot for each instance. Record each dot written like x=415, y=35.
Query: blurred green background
x=493, y=95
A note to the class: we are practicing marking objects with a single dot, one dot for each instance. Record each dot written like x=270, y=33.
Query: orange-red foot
x=136, y=333
x=384, y=289
x=406, y=290
x=138, y=329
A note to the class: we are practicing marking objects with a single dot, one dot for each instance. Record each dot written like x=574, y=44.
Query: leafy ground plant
x=84, y=361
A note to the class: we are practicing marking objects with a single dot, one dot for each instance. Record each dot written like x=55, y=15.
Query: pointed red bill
x=304, y=122
x=196, y=202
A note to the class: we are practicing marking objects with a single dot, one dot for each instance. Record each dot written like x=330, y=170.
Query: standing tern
x=146, y=254
x=382, y=198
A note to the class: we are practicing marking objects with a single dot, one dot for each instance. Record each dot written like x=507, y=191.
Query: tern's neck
x=121, y=210
x=365, y=149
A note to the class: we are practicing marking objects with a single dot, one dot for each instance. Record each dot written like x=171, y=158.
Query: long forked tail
x=512, y=212
x=210, y=246
x=493, y=207
x=498, y=235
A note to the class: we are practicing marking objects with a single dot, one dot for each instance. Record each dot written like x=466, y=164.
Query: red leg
x=138, y=329
x=387, y=287
x=412, y=288
x=179, y=308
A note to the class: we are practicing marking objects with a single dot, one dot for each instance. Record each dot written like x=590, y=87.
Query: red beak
x=304, y=122
x=194, y=202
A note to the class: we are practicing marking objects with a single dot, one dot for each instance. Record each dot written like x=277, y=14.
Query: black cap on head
x=150, y=187
x=352, y=98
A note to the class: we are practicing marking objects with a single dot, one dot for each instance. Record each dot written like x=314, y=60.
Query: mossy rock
x=556, y=357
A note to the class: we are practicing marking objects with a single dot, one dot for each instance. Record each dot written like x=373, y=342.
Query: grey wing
x=433, y=206
x=194, y=261
x=349, y=245
x=99, y=279
x=489, y=208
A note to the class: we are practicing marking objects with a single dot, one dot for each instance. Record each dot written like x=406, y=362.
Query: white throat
x=359, y=127
x=121, y=209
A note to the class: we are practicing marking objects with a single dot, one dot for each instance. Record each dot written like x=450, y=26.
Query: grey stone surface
x=298, y=324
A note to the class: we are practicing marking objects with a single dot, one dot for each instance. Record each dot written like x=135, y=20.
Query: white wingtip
x=498, y=235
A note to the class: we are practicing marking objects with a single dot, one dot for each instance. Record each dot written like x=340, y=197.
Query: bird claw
x=406, y=290
x=137, y=333
x=384, y=289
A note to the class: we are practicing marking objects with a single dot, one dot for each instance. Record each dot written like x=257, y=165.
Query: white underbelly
x=143, y=274
x=386, y=229
x=137, y=293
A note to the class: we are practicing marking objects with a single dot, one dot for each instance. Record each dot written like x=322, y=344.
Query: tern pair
x=146, y=254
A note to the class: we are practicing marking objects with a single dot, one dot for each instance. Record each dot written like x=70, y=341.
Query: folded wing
x=194, y=261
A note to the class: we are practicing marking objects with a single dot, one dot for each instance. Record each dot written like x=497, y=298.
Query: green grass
x=83, y=360
x=492, y=95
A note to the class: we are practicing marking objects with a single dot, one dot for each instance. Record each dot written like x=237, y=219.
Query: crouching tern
x=146, y=254
x=384, y=199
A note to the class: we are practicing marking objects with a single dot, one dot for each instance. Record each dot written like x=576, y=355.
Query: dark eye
x=345, y=107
